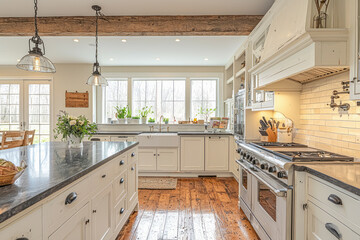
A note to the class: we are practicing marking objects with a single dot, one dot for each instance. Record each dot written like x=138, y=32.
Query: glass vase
x=75, y=142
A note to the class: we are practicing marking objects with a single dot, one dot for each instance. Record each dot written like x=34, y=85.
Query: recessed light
x=76, y=40
x=111, y=59
x=157, y=59
x=123, y=40
x=206, y=59
x=177, y=40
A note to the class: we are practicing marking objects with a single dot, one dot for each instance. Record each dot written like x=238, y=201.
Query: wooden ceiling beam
x=132, y=25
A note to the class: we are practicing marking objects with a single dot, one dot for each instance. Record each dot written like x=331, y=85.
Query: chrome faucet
x=161, y=117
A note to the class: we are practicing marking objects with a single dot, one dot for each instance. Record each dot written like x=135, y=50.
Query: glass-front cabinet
x=355, y=53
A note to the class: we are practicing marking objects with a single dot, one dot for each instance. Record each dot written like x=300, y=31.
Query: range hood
x=294, y=53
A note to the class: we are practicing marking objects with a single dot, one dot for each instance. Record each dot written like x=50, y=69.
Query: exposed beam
x=132, y=25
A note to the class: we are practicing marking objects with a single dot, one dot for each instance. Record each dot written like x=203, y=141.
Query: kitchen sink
x=159, y=139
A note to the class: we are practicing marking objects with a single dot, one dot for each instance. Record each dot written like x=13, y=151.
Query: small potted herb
x=145, y=111
x=135, y=119
x=151, y=120
x=128, y=114
x=120, y=114
x=166, y=120
x=205, y=112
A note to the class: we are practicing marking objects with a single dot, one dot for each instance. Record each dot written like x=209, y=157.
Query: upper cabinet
x=354, y=40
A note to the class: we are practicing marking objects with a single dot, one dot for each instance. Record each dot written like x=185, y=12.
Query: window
x=9, y=106
x=203, y=95
x=166, y=97
x=115, y=95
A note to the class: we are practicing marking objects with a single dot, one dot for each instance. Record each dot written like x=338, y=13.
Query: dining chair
x=11, y=139
x=29, y=137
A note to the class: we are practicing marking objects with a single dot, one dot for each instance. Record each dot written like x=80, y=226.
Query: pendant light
x=96, y=79
x=35, y=61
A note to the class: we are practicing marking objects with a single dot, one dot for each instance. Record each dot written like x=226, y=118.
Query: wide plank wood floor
x=199, y=208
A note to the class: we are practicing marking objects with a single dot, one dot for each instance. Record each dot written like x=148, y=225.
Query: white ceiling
x=24, y=8
x=137, y=51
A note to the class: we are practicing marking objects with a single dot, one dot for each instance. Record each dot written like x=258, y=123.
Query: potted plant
x=135, y=119
x=166, y=120
x=74, y=129
x=128, y=114
x=151, y=120
x=120, y=114
x=145, y=111
x=205, y=112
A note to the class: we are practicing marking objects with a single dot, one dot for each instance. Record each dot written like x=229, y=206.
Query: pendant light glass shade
x=35, y=61
x=96, y=79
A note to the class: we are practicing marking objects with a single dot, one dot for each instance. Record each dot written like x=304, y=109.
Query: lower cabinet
x=192, y=154
x=77, y=227
x=101, y=210
x=158, y=159
x=216, y=153
x=132, y=183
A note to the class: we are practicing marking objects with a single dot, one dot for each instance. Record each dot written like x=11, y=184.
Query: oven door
x=245, y=187
x=271, y=205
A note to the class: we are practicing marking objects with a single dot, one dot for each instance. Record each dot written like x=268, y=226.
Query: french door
x=25, y=105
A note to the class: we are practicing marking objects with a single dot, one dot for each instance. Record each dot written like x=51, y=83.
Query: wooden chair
x=12, y=139
x=29, y=137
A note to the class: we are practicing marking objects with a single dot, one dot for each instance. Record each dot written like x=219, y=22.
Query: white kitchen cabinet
x=27, y=227
x=354, y=40
x=99, y=138
x=147, y=159
x=101, y=212
x=132, y=183
x=167, y=159
x=192, y=154
x=77, y=227
x=216, y=153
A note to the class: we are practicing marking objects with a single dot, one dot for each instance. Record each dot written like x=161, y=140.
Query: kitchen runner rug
x=157, y=183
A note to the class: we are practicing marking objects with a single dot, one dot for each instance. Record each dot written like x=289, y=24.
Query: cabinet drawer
x=120, y=212
x=119, y=163
x=321, y=225
x=28, y=226
x=335, y=200
x=119, y=186
x=66, y=204
x=132, y=155
x=102, y=177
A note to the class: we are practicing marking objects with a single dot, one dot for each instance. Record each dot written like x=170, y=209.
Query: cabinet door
x=216, y=153
x=147, y=159
x=101, y=210
x=192, y=153
x=321, y=225
x=132, y=183
x=167, y=159
x=27, y=227
x=77, y=227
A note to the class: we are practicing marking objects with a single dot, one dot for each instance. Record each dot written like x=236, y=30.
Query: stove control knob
x=255, y=161
x=238, y=150
x=264, y=166
x=281, y=174
x=272, y=169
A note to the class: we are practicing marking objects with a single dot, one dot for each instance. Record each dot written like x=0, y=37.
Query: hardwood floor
x=199, y=208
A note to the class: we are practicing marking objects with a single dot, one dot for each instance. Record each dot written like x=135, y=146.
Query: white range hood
x=294, y=52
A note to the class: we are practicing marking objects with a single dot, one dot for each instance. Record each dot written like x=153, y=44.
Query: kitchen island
x=60, y=182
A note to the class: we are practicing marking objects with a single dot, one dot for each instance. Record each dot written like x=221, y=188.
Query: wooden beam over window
x=132, y=25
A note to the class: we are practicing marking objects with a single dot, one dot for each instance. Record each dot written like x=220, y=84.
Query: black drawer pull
x=22, y=238
x=122, y=210
x=122, y=162
x=87, y=221
x=335, y=199
x=103, y=176
x=332, y=230
x=95, y=139
x=121, y=180
x=133, y=155
x=70, y=198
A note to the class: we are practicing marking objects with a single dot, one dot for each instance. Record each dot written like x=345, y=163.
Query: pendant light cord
x=35, y=21
x=96, y=37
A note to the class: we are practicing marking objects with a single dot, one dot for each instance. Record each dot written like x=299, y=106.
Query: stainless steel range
x=266, y=183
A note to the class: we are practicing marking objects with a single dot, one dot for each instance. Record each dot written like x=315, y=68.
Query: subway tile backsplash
x=324, y=128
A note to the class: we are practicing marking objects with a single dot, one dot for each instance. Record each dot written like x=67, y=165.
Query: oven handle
x=279, y=191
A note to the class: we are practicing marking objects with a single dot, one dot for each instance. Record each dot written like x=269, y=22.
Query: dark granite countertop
x=343, y=175
x=51, y=166
x=205, y=133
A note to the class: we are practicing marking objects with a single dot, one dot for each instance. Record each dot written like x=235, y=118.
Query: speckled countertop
x=205, y=133
x=179, y=133
x=344, y=175
x=51, y=166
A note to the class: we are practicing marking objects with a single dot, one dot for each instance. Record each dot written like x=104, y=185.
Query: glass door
x=25, y=105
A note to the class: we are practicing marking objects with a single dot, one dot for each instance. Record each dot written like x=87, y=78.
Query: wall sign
x=76, y=99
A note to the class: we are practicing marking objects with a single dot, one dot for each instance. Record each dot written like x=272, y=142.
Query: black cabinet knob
x=133, y=155
x=132, y=168
x=122, y=162
x=121, y=180
x=122, y=210
x=70, y=198
x=103, y=176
